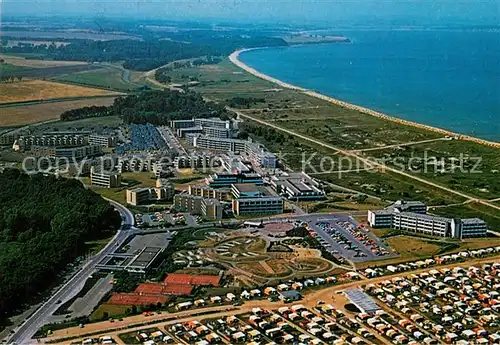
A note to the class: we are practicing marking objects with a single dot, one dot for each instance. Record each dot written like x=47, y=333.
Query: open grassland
x=107, y=78
x=24, y=62
x=92, y=123
x=471, y=210
x=28, y=114
x=347, y=129
x=34, y=90
x=8, y=69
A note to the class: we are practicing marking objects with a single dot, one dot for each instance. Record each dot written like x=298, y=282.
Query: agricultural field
x=39, y=90
x=69, y=34
x=29, y=114
x=36, y=63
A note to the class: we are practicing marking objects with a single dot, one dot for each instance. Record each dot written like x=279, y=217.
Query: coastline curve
x=234, y=58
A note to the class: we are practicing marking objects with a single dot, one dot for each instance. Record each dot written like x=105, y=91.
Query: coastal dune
x=234, y=58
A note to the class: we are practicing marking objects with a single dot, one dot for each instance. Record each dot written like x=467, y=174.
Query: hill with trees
x=44, y=224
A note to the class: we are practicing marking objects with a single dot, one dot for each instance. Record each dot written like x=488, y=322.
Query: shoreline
x=234, y=58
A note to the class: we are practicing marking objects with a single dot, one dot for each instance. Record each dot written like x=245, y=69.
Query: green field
x=5, y=68
x=84, y=124
x=107, y=77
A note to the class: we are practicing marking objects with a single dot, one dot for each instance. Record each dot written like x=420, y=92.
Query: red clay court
x=160, y=289
x=187, y=279
x=135, y=299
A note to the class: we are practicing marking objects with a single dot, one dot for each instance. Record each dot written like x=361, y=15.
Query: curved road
x=23, y=334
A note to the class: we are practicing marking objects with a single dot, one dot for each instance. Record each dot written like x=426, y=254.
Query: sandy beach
x=234, y=58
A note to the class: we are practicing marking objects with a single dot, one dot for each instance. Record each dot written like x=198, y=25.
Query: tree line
x=147, y=54
x=156, y=107
x=44, y=223
x=85, y=112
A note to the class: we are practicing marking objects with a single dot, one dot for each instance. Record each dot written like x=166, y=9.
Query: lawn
x=39, y=90
x=109, y=309
x=6, y=68
x=132, y=180
x=411, y=248
x=29, y=114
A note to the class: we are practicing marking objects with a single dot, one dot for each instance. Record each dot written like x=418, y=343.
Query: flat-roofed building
x=297, y=186
x=176, y=124
x=213, y=122
x=145, y=260
x=418, y=221
x=72, y=153
x=226, y=179
x=206, y=192
x=188, y=203
x=105, y=178
x=219, y=144
x=261, y=205
x=163, y=191
x=254, y=199
x=103, y=140
x=211, y=209
x=473, y=227
x=183, y=132
x=216, y=132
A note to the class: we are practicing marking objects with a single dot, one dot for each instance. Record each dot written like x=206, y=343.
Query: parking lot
x=143, y=138
x=344, y=237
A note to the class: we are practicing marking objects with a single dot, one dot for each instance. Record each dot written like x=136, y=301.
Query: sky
x=358, y=12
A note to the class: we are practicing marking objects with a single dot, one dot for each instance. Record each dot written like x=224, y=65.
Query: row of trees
x=9, y=78
x=44, y=223
x=85, y=112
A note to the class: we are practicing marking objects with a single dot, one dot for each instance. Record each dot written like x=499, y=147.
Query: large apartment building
x=220, y=194
x=105, y=178
x=52, y=140
x=209, y=209
x=103, y=140
x=72, y=153
x=226, y=179
x=412, y=217
x=255, y=152
x=164, y=190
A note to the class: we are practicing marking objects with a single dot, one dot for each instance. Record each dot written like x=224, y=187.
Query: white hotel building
x=396, y=217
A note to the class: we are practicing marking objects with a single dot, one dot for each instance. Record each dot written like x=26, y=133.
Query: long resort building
x=398, y=217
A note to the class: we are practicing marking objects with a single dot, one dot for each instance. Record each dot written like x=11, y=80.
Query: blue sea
x=448, y=79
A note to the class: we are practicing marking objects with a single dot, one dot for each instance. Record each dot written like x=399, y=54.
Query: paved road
x=23, y=334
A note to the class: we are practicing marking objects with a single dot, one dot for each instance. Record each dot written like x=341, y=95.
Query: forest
x=44, y=224
x=155, y=107
x=147, y=54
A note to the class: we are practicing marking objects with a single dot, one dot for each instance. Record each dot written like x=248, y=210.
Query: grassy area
x=471, y=210
x=108, y=78
x=381, y=232
x=129, y=180
x=6, y=69
x=92, y=123
x=41, y=112
x=35, y=90
x=413, y=248
x=111, y=310
x=347, y=129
